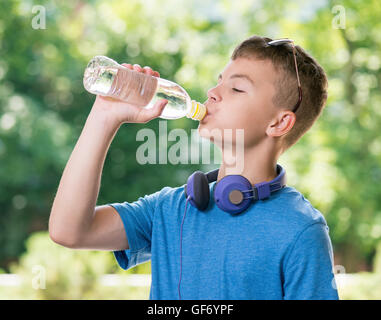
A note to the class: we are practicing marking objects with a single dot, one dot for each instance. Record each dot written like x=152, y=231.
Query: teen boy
x=279, y=248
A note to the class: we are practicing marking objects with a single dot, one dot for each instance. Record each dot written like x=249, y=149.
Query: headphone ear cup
x=224, y=188
x=198, y=188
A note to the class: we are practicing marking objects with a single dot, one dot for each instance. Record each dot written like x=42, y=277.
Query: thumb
x=146, y=115
x=154, y=112
x=159, y=107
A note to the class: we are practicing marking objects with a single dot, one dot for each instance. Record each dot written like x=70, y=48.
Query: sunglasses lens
x=279, y=42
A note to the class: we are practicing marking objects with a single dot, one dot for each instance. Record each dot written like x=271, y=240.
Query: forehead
x=260, y=71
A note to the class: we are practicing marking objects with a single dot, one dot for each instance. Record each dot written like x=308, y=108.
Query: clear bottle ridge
x=106, y=77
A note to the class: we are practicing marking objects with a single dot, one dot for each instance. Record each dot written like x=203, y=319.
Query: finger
x=148, y=70
x=137, y=68
x=127, y=65
x=156, y=74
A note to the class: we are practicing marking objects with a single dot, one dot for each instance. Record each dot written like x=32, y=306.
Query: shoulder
x=296, y=225
x=170, y=193
x=150, y=200
x=170, y=196
x=294, y=209
x=165, y=193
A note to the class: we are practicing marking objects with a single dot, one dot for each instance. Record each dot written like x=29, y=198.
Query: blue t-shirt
x=279, y=248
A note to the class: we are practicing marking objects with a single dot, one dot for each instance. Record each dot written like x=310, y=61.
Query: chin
x=213, y=134
x=205, y=130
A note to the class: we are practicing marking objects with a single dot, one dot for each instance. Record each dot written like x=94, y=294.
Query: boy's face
x=242, y=99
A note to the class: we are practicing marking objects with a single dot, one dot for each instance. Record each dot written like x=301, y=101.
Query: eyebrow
x=238, y=75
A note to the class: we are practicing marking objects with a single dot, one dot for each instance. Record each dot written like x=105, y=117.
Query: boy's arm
x=308, y=268
x=74, y=220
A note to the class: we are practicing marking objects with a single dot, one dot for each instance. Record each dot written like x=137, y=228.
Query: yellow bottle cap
x=197, y=111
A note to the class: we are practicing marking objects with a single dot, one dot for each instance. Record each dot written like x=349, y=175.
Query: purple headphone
x=233, y=193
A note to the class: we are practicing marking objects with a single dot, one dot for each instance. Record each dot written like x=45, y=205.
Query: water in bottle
x=106, y=77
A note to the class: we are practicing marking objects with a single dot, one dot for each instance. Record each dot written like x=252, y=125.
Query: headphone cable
x=181, y=247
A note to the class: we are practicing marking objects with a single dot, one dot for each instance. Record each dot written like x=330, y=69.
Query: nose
x=213, y=94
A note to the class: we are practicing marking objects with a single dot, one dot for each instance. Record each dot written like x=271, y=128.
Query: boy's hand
x=123, y=112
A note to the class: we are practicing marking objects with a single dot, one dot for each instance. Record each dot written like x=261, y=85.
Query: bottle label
x=133, y=87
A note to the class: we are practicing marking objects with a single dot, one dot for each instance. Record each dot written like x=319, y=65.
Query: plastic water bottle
x=106, y=77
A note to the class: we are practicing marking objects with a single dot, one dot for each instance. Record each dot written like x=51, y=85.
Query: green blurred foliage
x=48, y=271
x=43, y=105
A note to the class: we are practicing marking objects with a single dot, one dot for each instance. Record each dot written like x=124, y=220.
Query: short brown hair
x=312, y=78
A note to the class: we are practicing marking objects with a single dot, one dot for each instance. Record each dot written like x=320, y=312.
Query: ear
x=281, y=124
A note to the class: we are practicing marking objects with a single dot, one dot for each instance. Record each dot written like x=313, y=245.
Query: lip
x=208, y=110
x=207, y=116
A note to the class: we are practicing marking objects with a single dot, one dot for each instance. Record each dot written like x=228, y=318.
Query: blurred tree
x=350, y=124
x=43, y=105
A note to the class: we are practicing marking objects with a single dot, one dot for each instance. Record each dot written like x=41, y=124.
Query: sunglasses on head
x=289, y=41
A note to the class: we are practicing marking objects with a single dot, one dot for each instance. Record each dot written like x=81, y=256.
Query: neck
x=257, y=164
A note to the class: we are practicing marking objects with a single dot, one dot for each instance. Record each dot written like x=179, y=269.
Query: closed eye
x=237, y=90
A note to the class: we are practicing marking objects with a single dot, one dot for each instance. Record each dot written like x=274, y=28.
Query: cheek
x=225, y=130
x=253, y=121
x=246, y=115
x=226, y=119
